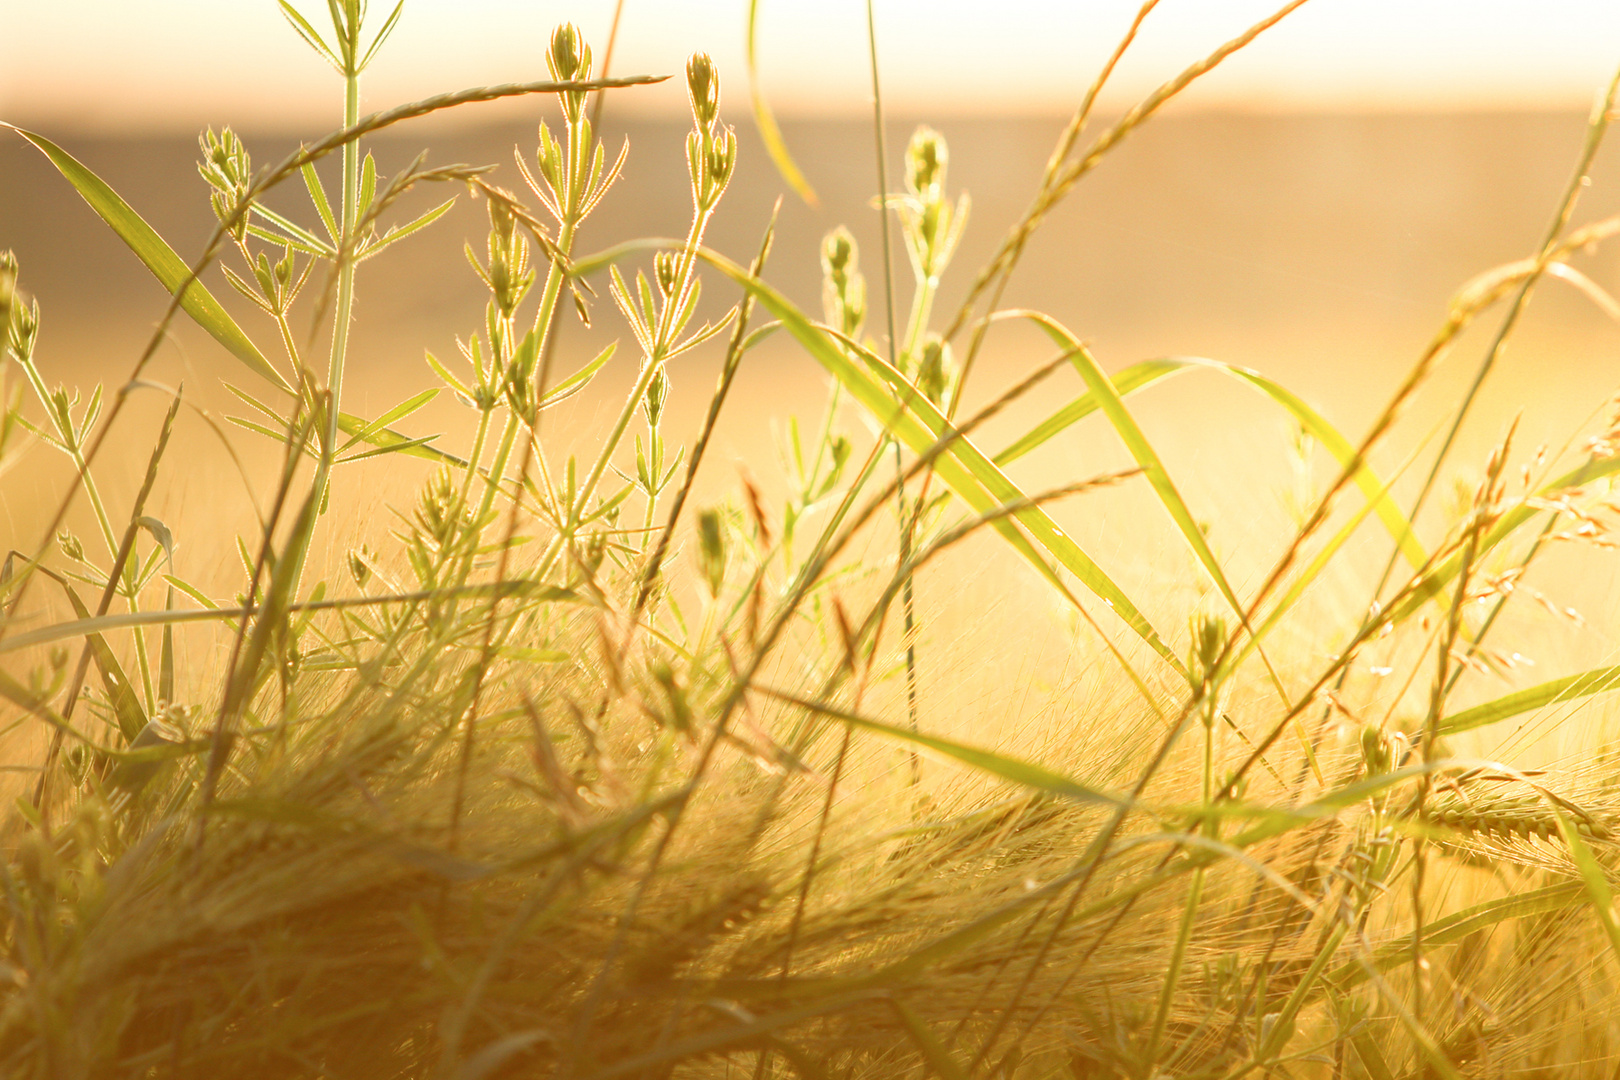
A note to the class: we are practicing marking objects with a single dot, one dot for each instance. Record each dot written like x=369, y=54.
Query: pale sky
x=159, y=64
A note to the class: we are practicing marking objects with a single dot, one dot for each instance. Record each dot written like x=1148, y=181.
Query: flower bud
x=657, y=395
x=839, y=255
x=1209, y=637
x=70, y=545
x=926, y=158
x=564, y=57
x=359, y=567
x=8, y=292
x=712, y=550
x=666, y=266
x=703, y=86
x=934, y=374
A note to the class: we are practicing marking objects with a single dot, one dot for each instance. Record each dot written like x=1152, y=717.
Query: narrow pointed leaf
x=1587, y=683
x=157, y=256
x=394, y=415
x=127, y=710
x=765, y=120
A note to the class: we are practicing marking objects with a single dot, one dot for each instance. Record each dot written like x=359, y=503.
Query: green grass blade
x=394, y=415
x=1012, y=769
x=1141, y=449
x=1127, y=382
x=126, y=704
x=1144, y=374
x=1593, y=878
x=916, y=422
x=389, y=439
x=157, y=256
x=1568, y=688
x=1457, y=926
x=765, y=120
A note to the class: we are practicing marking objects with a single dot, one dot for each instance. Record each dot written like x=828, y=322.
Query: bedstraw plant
x=562, y=774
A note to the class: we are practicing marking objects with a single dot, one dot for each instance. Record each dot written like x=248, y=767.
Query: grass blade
x=765, y=120
x=1012, y=769
x=1587, y=683
x=157, y=256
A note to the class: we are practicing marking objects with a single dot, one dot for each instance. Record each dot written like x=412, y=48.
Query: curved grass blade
x=765, y=120
x=1144, y=374
x=1141, y=450
x=1012, y=769
x=919, y=424
x=1127, y=382
x=1552, y=692
x=1592, y=877
x=937, y=1058
x=157, y=256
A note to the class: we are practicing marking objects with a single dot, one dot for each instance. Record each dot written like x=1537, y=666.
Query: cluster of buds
x=19, y=320
x=932, y=225
x=508, y=275
x=843, y=287
x=228, y=168
x=1208, y=639
x=711, y=148
x=569, y=60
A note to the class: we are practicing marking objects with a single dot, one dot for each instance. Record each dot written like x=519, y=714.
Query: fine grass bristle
x=568, y=769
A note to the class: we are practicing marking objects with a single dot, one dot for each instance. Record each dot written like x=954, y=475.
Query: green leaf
x=317, y=195
x=309, y=34
x=1141, y=449
x=578, y=380
x=389, y=439
x=1148, y=372
x=157, y=256
x=1592, y=876
x=126, y=705
x=394, y=415
x=918, y=423
x=765, y=120
x=400, y=233
x=1587, y=683
x=1012, y=769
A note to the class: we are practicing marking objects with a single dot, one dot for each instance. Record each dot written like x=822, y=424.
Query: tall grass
x=573, y=777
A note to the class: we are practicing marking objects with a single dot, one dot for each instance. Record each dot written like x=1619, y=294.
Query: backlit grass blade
x=1457, y=926
x=1023, y=773
x=1148, y=372
x=1587, y=683
x=765, y=120
x=126, y=705
x=1141, y=449
x=158, y=257
x=919, y=424
x=1127, y=382
x=938, y=1059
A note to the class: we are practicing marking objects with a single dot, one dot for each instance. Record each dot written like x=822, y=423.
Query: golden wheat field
x=1128, y=593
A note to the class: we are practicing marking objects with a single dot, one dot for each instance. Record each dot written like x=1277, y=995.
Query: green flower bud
x=843, y=291
x=657, y=395
x=926, y=157
x=359, y=567
x=24, y=326
x=666, y=266
x=70, y=545
x=8, y=292
x=839, y=255
x=570, y=60
x=712, y=550
x=564, y=57
x=703, y=86
x=936, y=372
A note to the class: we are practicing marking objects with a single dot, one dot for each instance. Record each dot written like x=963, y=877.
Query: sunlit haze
x=160, y=64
